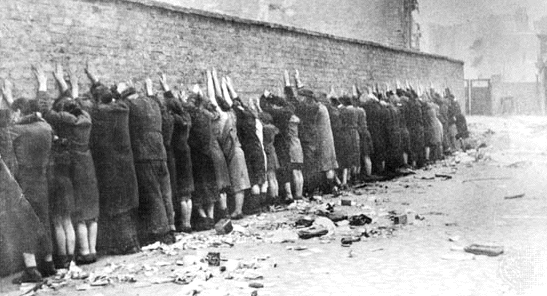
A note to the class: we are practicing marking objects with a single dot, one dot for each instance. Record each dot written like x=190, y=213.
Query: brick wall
x=373, y=20
x=136, y=38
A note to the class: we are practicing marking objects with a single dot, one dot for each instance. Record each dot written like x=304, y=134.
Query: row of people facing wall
x=120, y=168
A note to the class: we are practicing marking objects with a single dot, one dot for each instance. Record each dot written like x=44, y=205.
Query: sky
x=447, y=12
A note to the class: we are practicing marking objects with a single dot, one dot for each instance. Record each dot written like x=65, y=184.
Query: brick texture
x=135, y=38
x=373, y=20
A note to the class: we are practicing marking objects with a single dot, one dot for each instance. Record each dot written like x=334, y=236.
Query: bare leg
x=70, y=236
x=239, y=199
x=405, y=158
x=344, y=177
x=264, y=187
x=201, y=212
x=92, y=236
x=60, y=236
x=368, y=165
x=83, y=242
x=29, y=259
x=288, y=191
x=273, y=186
x=211, y=211
x=298, y=183
x=223, y=201
x=427, y=153
x=186, y=212
x=357, y=172
x=255, y=190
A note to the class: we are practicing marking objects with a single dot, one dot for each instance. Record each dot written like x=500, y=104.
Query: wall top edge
x=229, y=18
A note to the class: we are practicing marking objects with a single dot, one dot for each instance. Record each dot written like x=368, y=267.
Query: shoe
x=48, y=269
x=237, y=217
x=60, y=261
x=86, y=259
x=186, y=229
x=30, y=275
x=169, y=238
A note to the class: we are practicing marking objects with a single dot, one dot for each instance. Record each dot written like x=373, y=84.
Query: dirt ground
x=491, y=196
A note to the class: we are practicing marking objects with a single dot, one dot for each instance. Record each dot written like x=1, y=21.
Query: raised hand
x=91, y=72
x=210, y=85
x=148, y=86
x=218, y=90
x=183, y=96
x=196, y=89
x=231, y=89
x=130, y=83
x=286, y=78
x=59, y=75
x=121, y=87
x=7, y=91
x=225, y=92
x=163, y=82
x=38, y=71
x=354, y=91
x=74, y=79
x=297, y=79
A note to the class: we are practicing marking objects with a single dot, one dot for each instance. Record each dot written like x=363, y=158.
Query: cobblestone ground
x=419, y=258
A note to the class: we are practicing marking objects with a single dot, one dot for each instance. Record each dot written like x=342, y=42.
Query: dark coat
x=183, y=178
x=74, y=169
x=113, y=156
x=32, y=141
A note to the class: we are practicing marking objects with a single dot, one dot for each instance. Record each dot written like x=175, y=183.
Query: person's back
x=145, y=127
x=32, y=143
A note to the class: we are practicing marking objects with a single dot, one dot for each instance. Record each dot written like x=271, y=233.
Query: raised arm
x=297, y=80
x=216, y=83
x=149, y=87
x=226, y=92
x=6, y=95
x=60, y=78
x=211, y=92
x=74, y=80
x=44, y=100
x=91, y=73
x=286, y=78
x=231, y=89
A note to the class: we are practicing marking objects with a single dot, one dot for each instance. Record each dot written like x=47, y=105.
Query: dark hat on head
x=306, y=93
x=101, y=93
x=345, y=100
x=25, y=105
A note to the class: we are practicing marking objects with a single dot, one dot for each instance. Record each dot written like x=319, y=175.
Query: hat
x=306, y=93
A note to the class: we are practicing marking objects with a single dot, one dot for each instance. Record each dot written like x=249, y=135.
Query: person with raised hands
x=364, y=167
x=219, y=119
x=248, y=133
x=307, y=110
x=116, y=177
x=402, y=105
x=287, y=143
x=182, y=180
x=270, y=132
x=231, y=146
x=23, y=232
x=349, y=155
x=203, y=151
x=415, y=124
x=155, y=212
x=76, y=196
x=32, y=140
